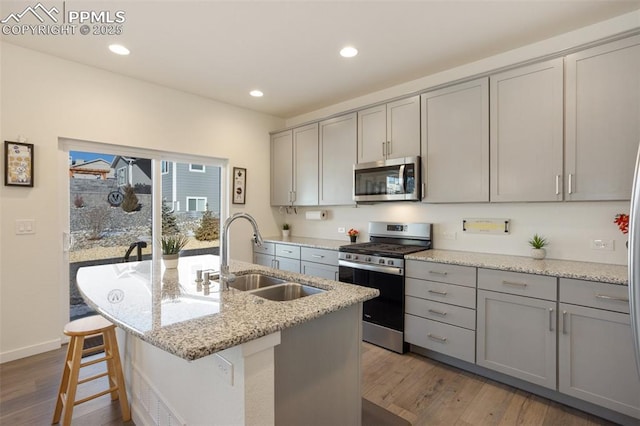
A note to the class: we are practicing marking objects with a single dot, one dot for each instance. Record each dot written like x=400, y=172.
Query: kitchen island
x=231, y=357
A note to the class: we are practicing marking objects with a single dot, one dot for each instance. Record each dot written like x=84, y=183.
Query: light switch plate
x=25, y=226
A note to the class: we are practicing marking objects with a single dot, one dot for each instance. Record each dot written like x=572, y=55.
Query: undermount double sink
x=272, y=288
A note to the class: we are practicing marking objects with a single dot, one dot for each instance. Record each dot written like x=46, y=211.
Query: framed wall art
x=18, y=164
x=239, y=185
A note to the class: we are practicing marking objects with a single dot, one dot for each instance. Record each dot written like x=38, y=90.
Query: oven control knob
x=347, y=256
x=368, y=259
x=381, y=261
x=355, y=257
x=390, y=262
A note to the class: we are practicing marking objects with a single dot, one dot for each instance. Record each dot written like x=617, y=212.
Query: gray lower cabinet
x=321, y=263
x=516, y=332
x=440, y=308
x=279, y=256
x=595, y=353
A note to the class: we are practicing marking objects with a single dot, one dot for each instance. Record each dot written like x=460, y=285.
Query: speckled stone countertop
x=310, y=242
x=614, y=274
x=166, y=309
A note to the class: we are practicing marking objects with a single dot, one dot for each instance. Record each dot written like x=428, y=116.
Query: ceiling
x=289, y=50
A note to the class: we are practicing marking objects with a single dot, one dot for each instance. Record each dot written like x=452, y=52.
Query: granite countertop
x=590, y=271
x=309, y=242
x=165, y=308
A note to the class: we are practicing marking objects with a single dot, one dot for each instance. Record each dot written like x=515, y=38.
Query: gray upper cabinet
x=602, y=120
x=294, y=167
x=305, y=165
x=526, y=119
x=455, y=143
x=391, y=130
x=281, y=168
x=338, y=140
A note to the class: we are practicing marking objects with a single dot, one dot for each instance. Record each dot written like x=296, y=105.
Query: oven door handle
x=375, y=268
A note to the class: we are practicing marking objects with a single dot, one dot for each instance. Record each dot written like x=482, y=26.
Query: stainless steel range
x=380, y=264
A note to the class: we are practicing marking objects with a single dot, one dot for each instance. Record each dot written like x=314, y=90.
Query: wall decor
x=239, y=183
x=18, y=164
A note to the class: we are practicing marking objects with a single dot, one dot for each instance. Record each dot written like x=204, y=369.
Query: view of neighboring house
x=188, y=187
x=93, y=169
x=131, y=170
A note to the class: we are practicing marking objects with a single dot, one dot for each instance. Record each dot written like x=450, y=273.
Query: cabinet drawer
x=286, y=250
x=327, y=257
x=450, y=314
x=612, y=297
x=539, y=286
x=265, y=248
x=452, y=274
x=444, y=338
x=441, y=292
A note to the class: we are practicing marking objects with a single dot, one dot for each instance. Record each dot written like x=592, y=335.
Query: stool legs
x=70, y=377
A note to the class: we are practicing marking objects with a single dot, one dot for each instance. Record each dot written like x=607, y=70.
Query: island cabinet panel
x=455, y=143
x=526, y=133
x=338, y=154
x=391, y=130
x=602, y=120
x=317, y=371
x=595, y=354
x=440, y=312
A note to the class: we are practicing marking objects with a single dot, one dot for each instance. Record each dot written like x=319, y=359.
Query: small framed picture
x=18, y=164
x=239, y=184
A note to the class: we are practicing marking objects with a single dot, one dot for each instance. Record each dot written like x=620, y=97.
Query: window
x=196, y=204
x=196, y=168
x=165, y=167
x=121, y=175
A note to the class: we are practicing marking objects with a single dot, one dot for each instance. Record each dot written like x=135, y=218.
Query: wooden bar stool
x=79, y=330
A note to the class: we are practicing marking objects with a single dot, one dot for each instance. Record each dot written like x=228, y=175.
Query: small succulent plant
x=538, y=242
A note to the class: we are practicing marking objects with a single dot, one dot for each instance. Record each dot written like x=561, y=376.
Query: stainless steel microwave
x=396, y=179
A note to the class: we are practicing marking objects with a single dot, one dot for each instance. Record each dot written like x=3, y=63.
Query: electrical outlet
x=224, y=368
x=341, y=230
x=25, y=226
x=606, y=245
x=449, y=235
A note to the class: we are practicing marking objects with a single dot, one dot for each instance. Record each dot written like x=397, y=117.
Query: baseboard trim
x=28, y=351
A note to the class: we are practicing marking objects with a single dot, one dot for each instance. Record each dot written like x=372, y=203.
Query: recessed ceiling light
x=118, y=49
x=256, y=93
x=348, y=52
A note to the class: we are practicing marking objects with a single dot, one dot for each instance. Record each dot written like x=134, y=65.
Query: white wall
x=44, y=99
x=568, y=226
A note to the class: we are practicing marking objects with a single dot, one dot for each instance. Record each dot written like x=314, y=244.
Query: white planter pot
x=285, y=232
x=538, y=253
x=170, y=260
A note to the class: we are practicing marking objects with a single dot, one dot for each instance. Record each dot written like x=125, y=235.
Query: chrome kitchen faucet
x=225, y=276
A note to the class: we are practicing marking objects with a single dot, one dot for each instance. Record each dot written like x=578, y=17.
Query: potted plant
x=537, y=244
x=171, y=246
x=285, y=230
x=353, y=234
x=622, y=220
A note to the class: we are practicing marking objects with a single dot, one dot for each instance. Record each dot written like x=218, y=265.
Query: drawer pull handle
x=434, y=311
x=438, y=273
x=619, y=299
x=435, y=337
x=317, y=256
x=514, y=284
x=550, y=319
x=440, y=293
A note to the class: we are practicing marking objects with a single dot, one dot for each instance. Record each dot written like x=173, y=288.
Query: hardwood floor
x=420, y=390
x=29, y=386
x=426, y=392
